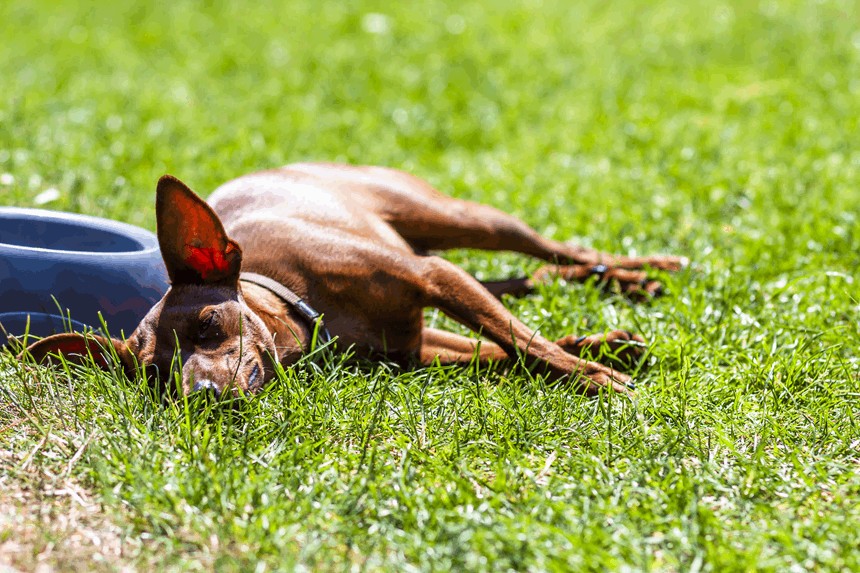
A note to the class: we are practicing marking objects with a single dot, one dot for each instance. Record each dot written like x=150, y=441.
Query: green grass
x=723, y=131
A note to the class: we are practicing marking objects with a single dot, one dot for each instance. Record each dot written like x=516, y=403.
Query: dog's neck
x=291, y=332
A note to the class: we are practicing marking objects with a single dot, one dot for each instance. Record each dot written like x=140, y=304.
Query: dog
x=281, y=260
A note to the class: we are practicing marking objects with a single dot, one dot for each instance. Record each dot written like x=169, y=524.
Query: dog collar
x=307, y=312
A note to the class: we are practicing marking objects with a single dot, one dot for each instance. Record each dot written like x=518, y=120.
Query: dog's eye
x=208, y=326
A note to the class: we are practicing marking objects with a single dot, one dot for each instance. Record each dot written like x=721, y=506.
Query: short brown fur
x=353, y=242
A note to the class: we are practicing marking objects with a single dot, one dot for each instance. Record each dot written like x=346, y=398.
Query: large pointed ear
x=194, y=245
x=78, y=348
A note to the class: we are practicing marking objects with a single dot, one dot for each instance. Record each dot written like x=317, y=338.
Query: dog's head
x=202, y=324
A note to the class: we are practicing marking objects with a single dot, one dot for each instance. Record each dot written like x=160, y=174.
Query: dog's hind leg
x=440, y=223
x=430, y=220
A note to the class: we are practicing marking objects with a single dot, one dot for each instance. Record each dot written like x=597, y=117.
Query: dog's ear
x=77, y=348
x=194, y=245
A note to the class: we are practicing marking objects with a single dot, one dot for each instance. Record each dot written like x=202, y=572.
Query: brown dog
x=351, y=242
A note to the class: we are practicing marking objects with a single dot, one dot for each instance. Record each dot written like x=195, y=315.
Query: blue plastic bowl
x=57, y=265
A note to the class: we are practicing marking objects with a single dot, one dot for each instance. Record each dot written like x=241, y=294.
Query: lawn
x=723, y=131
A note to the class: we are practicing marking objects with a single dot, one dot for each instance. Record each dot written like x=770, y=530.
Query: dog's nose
x=255, y=381
x=207, y=385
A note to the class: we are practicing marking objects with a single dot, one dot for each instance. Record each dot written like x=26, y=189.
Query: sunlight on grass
x=723, y=131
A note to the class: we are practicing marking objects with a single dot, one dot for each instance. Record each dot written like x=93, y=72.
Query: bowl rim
x=147, y=240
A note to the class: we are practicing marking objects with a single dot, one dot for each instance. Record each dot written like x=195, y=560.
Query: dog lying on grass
x=281, y=258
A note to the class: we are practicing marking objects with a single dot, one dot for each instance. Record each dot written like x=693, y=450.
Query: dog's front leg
x=449, y=348
x=618, y=348
x=461, y=296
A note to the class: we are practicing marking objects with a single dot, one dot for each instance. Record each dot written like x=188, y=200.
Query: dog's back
x=321, y=230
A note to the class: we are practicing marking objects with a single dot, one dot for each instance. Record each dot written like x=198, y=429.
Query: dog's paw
x=635, y=285
x=643, y=291
x=618, y=348
x=667, y=262
x=593, y=377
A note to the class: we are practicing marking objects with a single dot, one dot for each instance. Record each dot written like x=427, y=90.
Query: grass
x=724, y=131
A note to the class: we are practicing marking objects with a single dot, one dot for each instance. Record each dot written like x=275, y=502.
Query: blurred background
x=657, y=117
